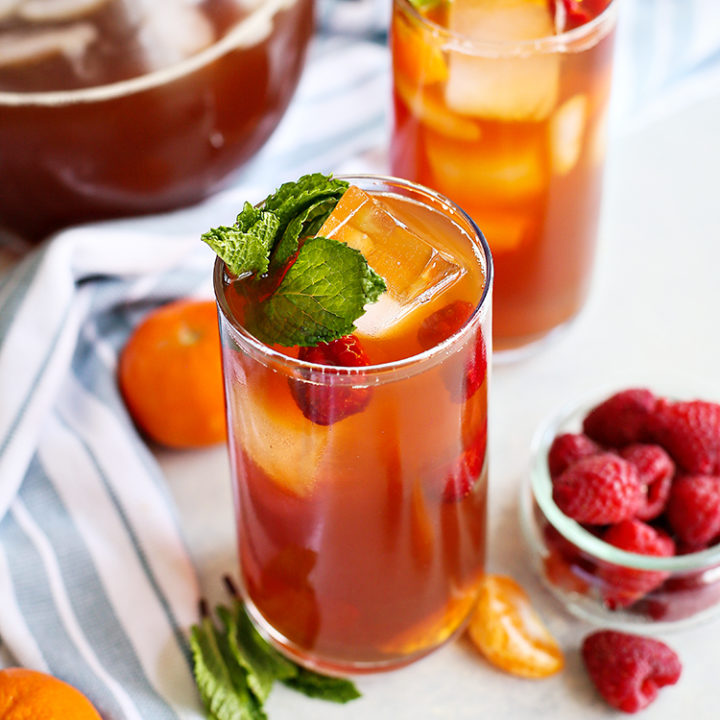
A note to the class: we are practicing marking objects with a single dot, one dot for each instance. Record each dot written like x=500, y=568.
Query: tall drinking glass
x=501, y=105
x=361, y=538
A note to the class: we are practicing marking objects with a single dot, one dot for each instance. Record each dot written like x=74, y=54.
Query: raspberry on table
x=598, y=490
x=567, y=449
x=628, y=670
x=655, y=471
x=690, y=432
x=622, y=419
x=624, y=586
x=693, y=509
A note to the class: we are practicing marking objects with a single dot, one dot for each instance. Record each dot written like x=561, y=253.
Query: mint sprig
x=235, y=668
x=323, y=292
x=328, y=285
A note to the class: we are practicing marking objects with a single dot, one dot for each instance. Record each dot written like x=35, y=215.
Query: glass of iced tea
x=501, y=105
x=122, y=107
x=360, y=487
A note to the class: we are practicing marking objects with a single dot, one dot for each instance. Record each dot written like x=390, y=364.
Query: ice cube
x=433, y=113
x=482, y=171
x=288, y=448
x=502, y=87
x=27, y=47
x=567, y=128
x=413, y=270
x=172, y=30
x=57, y=10
x=7, y=8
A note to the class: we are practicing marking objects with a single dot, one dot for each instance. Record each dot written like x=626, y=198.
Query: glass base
x=340, y=667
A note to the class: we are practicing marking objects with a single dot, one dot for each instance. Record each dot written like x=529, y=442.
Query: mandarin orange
x=32, y=695
x=170, y=375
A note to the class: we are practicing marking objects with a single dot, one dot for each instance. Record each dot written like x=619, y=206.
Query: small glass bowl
x=588, y=575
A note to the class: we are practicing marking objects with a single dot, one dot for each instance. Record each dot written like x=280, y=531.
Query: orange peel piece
x=509, y=633
x=417, y=54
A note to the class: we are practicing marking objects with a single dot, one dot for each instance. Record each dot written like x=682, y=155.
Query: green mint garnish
x=329, y=284
x=246, y=246
x=235, y=669
x=426, y=4
x=323, y=293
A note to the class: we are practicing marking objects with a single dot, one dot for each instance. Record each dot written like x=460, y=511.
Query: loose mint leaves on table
x=327, y=286
x=235, y=669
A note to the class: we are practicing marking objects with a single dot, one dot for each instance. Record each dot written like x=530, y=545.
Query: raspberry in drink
x=501, y=105
x=359, y=464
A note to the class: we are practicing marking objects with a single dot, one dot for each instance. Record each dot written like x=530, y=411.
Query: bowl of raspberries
x=623, y=512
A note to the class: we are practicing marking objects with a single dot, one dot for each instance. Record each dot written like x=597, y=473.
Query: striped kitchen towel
x=96, y=582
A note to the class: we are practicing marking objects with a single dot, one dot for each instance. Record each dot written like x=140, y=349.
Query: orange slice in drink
x=417, y=54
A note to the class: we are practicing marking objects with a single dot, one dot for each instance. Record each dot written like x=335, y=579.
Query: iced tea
x=361, y=536
x=122, y=107
x=501, y=105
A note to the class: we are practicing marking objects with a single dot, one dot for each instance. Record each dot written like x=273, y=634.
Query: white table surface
x=652, y=319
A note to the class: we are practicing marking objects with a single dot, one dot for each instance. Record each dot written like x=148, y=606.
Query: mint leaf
x=291, y=198
x=220, y=679
x=313, y=685
x=426, y=4
x=305, y=224
x=262, y=663
x=236, y=668
x=320, y=297
x=245, y=247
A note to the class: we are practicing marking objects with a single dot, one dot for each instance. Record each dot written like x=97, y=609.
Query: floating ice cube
x=502, y=88
x=481, y=171
x=27, y=47
x=172, y=30
x=8, y=7
x=567, y=128
x=57, y=10
x=433, y=113
x=412, y=268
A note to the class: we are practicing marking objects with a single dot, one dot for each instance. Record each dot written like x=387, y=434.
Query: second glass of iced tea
x=361, y=535
x=501, y=105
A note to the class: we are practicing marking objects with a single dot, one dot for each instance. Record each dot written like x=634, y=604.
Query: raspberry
x=655, y=471
x=693, y=509
x=326, y=403
x=624, y=586
x=567, y=449
x=683, y=596
x=690, y=432
x=628, y=670
x=462, y=478
x=622, y=419
x=598, y=490
x=444, y=323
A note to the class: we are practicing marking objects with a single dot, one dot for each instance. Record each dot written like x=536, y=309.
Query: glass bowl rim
x=241, y=32
x=573, y=39
x=381, y=372
x=541, y=489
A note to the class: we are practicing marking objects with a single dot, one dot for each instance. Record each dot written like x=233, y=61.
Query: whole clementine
x=32, y=695
x=170, y=375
